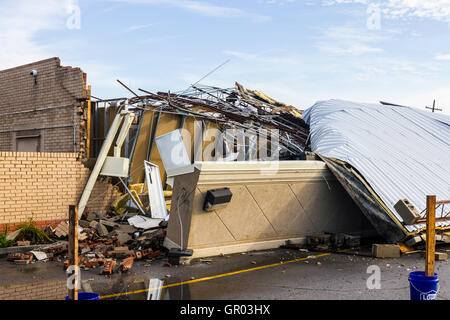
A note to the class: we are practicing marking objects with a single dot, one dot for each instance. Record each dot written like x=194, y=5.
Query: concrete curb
x=5, y=251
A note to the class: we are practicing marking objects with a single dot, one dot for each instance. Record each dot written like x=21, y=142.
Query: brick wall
x=42, y=290
x=41, y=186
x=53, y=109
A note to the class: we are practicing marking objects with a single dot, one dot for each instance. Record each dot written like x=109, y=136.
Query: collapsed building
x=242, y=170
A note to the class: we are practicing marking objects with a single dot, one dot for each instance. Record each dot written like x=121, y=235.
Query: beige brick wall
x=41, y=186
x=56, y=101
x=40, y=290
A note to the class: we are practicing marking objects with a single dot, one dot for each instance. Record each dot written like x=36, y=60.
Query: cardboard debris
x=39, y=255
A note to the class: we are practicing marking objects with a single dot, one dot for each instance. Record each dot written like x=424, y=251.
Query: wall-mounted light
x=34, y=74
x=217, y=199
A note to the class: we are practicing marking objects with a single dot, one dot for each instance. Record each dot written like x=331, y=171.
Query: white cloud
x=347, y=40
x=403, y=9
x=20, y=21
x=278, y=2
x=138, y=27
x=204, y=8
x=441, y=57
x=264, y=57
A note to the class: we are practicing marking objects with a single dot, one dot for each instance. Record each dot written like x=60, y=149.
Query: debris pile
x=331, y=241
x=103, y=241
x=238, y=108
x=106, y=239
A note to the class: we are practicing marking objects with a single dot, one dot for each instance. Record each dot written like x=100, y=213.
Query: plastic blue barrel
x=423, y=287
x=86, y=296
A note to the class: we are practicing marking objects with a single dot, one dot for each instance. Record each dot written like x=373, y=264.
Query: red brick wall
x=56, y=101
x=41, y=186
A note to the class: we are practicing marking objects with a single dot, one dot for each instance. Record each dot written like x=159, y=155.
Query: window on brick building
x=28, y=144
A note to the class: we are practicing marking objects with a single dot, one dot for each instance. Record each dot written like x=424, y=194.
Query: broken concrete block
x=407, y=211
x=126, y=228
x=109, y=224
x=318, y=239
x=84, y=224
x=123, y=252
x=446, y=238
x=91, y=216
x=386, y=251
x=123, y=237
x=438, y=256
x=102, y=231
x=413, y=241
x=115, y=218
x=93, y=224
x=441, y=256
x=352, y=241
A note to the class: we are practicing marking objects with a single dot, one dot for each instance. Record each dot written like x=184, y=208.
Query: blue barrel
x=423, y=287
x=86, y=296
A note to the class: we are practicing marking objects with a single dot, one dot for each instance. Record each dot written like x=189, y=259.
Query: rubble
x=105, y=241
x=386, y=251
x=329, y=241
x=62, y=230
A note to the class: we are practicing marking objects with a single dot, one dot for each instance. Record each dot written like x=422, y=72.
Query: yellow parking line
x=218, y=276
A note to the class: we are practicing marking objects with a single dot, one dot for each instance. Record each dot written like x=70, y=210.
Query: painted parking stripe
x=219, y=275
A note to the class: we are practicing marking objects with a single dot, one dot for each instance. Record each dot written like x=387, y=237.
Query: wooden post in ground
x=73, y=250
x=431, y=236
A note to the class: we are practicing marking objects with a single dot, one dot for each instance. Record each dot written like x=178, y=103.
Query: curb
x=5, y=251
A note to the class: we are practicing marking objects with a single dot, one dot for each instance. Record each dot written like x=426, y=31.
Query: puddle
x=29, y=270
x=145, y=289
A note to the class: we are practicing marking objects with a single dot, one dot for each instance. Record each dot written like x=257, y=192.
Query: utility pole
x=434, y=107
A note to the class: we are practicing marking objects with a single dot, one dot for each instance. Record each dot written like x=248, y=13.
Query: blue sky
x=297, y=51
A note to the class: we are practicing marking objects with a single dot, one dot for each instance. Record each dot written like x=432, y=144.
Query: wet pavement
x=279, y=274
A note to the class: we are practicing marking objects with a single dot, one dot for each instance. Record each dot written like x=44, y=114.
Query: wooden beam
x=431, y=236
x=88, y=124
x=73, y=250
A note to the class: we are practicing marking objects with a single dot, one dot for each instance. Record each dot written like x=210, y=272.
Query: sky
x=298, y=52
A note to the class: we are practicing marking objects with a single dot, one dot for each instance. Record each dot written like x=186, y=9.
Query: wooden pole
x=73, y=250
x=431, y=236
x=88, y=125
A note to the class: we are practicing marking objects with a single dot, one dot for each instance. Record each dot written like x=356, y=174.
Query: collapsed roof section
x=382, y=154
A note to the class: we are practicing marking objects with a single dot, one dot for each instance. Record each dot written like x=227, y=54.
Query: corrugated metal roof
x=402, y=152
